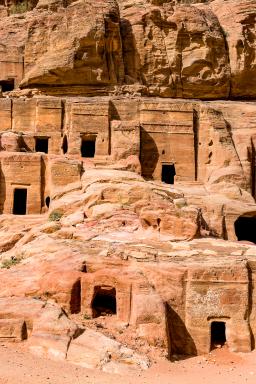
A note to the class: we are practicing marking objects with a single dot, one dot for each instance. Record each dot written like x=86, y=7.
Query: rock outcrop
x=127, y=179
x=175, y=51
x=77, y=45
x=114, y=257
x=161, y=48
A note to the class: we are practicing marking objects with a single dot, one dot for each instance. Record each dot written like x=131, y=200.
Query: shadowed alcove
x=47, y=201
x=41, y=144
x=88, y=146
x=65, y=145
x=218, y=334
x=149, y=154
x=180, y=341
x=245, y=228
x=75, y=299
x=104, y=301
x=168, y=173
x=20, y=201
x=7, y=85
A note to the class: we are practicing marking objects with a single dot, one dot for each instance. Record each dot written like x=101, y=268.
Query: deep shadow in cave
x=218, y=333
x=168, y=173
x=104, y=301
x=245, y=228
x=20, y=201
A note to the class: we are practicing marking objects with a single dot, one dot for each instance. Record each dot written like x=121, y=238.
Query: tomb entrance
x=104, y=301
x=218, y=334
x=20, y=201
x=245, y=228
x=88, y=146
x=168, y=173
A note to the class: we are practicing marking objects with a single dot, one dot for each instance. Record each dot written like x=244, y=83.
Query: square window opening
x=42, y=144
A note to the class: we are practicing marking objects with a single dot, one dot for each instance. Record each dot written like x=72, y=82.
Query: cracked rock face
x=120, y=214
x=76, y=45
x=159, y=48
x=178, y=51
x=125, y=260
x=240, y=33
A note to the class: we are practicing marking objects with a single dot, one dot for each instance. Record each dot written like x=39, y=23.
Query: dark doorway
x=65, y=144
x=245, y=228
x=88, y=148
x=7, y=85
x=75, y=299
x=104, y=301
x=20, y=201
x=47, y=201
x=218, y=333
x=42, y=144
x=168, y=173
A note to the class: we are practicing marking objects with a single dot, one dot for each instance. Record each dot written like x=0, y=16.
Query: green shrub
x=55, y=215
x=8, y=263
x=20, y=7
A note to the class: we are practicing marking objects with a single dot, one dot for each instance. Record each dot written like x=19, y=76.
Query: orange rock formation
x=127, y=177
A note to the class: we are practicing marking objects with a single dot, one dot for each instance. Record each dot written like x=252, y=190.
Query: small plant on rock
x=55, y=215
x=20, y=7
x=8, y=263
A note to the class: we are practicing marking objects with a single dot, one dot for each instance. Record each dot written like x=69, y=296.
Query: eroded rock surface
x=167, y=49
x=127, y=179
x=117, y=261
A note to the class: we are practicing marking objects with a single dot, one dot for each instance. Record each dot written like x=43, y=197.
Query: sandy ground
x=220, y=367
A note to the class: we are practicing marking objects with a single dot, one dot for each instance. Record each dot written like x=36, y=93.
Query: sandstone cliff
x=127, y=178
x=156, y=48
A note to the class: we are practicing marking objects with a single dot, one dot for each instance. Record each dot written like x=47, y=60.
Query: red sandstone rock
x=120, y=212
x=157, y=48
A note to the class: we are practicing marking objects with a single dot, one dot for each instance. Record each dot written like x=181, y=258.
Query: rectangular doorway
x=168, y=173
x=42, y=144
x=20, y=201
x=88, y=147
x=218, y=334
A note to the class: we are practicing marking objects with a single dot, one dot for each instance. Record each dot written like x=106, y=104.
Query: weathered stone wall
x=125, y=139
x=38, y=118
x=87, y=120
x=218, y=295
x=20, y=171
x=167, y=136
x=167, y=49
x=206, y=142
x=61, y=173
x=174, y=306
x=11, y=64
